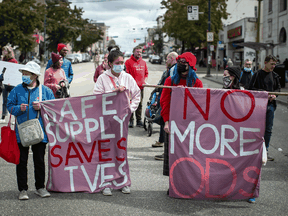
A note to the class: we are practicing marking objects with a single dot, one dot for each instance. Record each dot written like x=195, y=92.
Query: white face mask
x=227, y=81
x=118, y=68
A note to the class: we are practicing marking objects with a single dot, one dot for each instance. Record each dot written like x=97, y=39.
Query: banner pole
x=162, y=86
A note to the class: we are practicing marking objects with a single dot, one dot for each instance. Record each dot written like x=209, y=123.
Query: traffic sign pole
x=208, y=43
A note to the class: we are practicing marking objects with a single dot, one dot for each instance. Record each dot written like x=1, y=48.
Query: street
x=148, y=190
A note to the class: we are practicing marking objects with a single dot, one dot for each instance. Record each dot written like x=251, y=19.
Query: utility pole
x=258, y=31
x=45, y=39
x=208, y=43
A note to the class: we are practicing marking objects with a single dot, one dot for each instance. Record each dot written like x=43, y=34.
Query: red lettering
x=84, y=153
x=188, y=94
x=100, y=150
x=234, y=174
x=76, y=155
x=56, y=155
x=202, y=177
x=249, y=179
x=250, y=111
x=121, y=147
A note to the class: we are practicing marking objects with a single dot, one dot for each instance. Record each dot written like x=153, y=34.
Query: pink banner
x=216, y=143
x=87, y=142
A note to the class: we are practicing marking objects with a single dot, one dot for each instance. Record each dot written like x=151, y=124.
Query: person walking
x=101, y=68
x=137, y=68
x=66, y=66
x=8, y=56
x=23, y=103
x=55, y=74
x=116, y=79
x=184, y=75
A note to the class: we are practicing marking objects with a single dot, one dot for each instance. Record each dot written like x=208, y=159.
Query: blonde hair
x=10, y=54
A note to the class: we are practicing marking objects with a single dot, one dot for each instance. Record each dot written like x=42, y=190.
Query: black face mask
x=181, y=68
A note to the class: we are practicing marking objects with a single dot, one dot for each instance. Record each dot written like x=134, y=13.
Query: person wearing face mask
x=55, y=74
x=116, y=79
x=246, y=74
x=23, y=103
x=231, y=78
x=184, y=75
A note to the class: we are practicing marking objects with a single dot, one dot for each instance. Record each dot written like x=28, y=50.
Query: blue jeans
x=269, y=124
x=7, y=89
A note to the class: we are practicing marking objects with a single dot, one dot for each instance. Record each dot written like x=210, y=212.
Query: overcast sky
x=122, y=16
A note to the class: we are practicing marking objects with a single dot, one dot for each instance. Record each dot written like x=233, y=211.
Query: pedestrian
x=23, y=103
x=67, y=66
x=246, y=74
x=229, y=63
x=218, y=63
x=101, y=68
x=184, y=75
x=225, y=61
x=55, y=74
x=96, y=59
x=267, y=80
x=138, y=69
x=116, y=79
x=170, y=64
x=231, y=77
x=8, y=56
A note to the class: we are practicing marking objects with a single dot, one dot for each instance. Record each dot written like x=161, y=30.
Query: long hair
x=10, y=54
x=190, y=80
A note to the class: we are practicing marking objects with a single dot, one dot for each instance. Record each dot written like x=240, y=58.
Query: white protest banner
x=12, y=75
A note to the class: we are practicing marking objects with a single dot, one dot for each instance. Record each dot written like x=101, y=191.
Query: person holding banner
x=184, y=75
x=231, y=77
x=55, y=74
x=23, y=103
x=8, y=56
x=116, y=79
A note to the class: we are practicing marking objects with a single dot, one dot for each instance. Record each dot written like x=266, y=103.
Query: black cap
x=234, y=71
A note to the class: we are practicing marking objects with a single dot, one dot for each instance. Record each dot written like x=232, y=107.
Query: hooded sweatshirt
x=138, y=70
x=105, y=85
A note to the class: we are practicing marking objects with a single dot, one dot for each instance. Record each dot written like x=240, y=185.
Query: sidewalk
x=217, y=78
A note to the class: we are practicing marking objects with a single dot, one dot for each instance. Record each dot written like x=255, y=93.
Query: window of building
x=270, y=6
x=283, y=5
x=282, y=36
x=269, y=27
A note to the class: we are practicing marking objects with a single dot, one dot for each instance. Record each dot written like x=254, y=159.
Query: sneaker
x=23, y=195
x=251, y=200
x=157, y=144
x=126, y=190
x=159, y=157
x=107, y=192
x=131, y=124
x=139, y=123
x=42, y=192
x=269, y=158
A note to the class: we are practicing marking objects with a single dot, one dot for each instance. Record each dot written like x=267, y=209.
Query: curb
x=280, y=101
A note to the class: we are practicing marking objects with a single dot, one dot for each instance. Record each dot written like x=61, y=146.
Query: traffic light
x=107, y=38
x=134, y=40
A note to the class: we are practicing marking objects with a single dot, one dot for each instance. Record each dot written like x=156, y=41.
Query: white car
x=78, y=57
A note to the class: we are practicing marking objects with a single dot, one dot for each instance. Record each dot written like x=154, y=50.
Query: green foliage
x=18, y=21
x=193, y=33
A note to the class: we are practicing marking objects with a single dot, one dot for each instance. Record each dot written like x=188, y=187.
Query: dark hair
x=114, y=55
x=269, y=57
x=113, y=48
x=137, y=47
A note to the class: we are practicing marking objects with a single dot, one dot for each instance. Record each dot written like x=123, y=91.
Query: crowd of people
x=113, y=74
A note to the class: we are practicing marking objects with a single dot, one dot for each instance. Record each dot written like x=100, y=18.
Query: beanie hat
x=190, y=58
x=60, y=47
x=234, y=71
x=55, y=57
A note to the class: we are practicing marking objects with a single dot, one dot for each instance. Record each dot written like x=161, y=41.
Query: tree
x=18, y=21
x=193, y=33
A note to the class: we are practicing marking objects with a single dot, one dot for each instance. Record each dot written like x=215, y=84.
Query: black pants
x=166, y=155
x=39, y=166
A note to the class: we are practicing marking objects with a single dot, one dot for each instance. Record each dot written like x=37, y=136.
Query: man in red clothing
x=137, y=68
x=101, y=68
x=184, y=75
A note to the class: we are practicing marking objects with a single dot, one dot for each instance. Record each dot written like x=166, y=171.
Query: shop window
x=282, y=36
x=270, y=6
x=283, y=5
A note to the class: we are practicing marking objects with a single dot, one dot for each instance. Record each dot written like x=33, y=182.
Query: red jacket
x=166, y=96
x=138, y=70
x=98, y=72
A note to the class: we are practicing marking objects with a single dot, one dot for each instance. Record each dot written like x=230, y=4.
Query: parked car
x=144, y=55
x=86, y=57
x=78, y=57
x=150, y=57
x=71, y=58
x=156, y=59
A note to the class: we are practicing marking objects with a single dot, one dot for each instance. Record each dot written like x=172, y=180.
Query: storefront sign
x=235, y=32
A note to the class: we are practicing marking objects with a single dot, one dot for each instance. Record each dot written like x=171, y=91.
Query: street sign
x=138, y=38
x=210, y=36
x=114, y=37
x=193, y=12
x=211, y=47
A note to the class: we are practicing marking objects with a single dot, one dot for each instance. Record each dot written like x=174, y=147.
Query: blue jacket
x=21, y=94
x=67, y=67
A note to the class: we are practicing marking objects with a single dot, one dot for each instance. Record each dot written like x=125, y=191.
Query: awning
x=257, y=46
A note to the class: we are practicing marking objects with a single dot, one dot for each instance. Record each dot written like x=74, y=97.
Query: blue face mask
x=247, y=69
x=26, y=79
x=118, y=68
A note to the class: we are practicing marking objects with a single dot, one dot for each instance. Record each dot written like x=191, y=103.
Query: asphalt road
x=149, y=186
